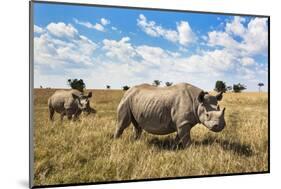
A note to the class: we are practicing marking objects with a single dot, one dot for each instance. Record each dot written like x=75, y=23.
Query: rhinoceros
x=164, y=110
x=70, y=103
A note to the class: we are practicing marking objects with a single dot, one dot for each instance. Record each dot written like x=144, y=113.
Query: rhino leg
x=51, y=112
x=137, y=129
x=76, y=115
x=124, y=120
x=183, y=136
x=62, y=115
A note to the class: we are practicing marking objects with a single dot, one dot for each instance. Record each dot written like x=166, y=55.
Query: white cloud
x=183, y=35
x=60, y=29
x=104, y=21
x=247, y=61
x=55, y=49
x=122, y=50
x=236, y=27
x=96, y=26
x=222, y=39
x=38, y=29
x=254, y=36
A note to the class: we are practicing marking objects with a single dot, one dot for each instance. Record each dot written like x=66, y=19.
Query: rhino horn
x=219, y=96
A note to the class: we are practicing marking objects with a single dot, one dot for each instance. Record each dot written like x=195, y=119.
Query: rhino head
x=84, y=103
x=209, y=112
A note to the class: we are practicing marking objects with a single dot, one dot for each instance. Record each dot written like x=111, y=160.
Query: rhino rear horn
x=89, y=94
x=219, y=96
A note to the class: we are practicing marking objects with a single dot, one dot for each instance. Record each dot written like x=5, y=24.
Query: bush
x=220, y=86
x=125, y=88
x=237, y=88
x=76, y=84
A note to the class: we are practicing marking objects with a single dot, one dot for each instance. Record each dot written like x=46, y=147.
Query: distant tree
x=125, y=88
x=260, y=85
x=108, y=86
x=220, y=86
x=168, y=83
x=77, y=84
x=239, y=87
x=156, y=83
x=41, y=87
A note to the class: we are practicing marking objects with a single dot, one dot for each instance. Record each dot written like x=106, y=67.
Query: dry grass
x=84, y=151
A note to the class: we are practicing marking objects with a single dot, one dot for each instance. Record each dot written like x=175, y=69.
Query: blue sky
x=117, y=47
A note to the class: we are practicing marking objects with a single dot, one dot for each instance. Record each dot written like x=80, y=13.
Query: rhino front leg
x=62, y=115
x=51, y=112
x=183, y=136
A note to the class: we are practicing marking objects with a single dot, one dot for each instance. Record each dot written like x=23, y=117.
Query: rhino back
x=154, y=107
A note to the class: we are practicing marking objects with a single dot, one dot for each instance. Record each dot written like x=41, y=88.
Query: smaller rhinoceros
x=70, y=103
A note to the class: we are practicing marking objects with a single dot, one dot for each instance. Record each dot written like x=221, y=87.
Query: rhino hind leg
x=124, y=120
x=137, y=129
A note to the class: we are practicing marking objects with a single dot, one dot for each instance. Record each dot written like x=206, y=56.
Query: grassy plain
x=84, y=151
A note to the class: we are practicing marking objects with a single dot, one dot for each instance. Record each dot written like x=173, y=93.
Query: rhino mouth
x=217, y=128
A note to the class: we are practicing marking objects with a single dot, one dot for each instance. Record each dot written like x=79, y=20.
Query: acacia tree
x=125, y=88
x=260, y=85
x=76, y=84
x=237, y=88
x=220, y=86
x=168, y=83
x=156, y=83
x=108, y=86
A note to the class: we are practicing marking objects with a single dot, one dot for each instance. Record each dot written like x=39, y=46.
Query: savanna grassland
x=84, y=151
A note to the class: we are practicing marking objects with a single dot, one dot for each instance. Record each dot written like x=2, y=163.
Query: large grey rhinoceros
x=164, y=110
x=70, y=103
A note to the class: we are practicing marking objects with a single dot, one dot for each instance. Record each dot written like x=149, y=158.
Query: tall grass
x=84, y=151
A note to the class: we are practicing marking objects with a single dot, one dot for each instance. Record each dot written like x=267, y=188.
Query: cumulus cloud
x=96, y=26
x=247, y=61
x=183, y=35
x=236, y=27
x=59, y=48
x=122, y=50
x=38, y=29
x=254, y=36
x=104, y=21
x=60, y=29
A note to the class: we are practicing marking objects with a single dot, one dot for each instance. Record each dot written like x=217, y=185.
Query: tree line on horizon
x=220, y=86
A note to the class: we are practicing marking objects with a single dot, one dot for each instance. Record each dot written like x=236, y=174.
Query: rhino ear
x=75, y=96
x=200, y=98
x=219, y=96
x=89, y=94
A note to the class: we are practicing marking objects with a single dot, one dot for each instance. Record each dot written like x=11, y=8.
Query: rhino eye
x=207, y=114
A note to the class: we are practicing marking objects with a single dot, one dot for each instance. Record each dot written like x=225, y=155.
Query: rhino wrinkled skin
x=69, y=103
x=164, y=110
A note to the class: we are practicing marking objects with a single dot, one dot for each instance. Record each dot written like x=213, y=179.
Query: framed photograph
x=123, y=94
